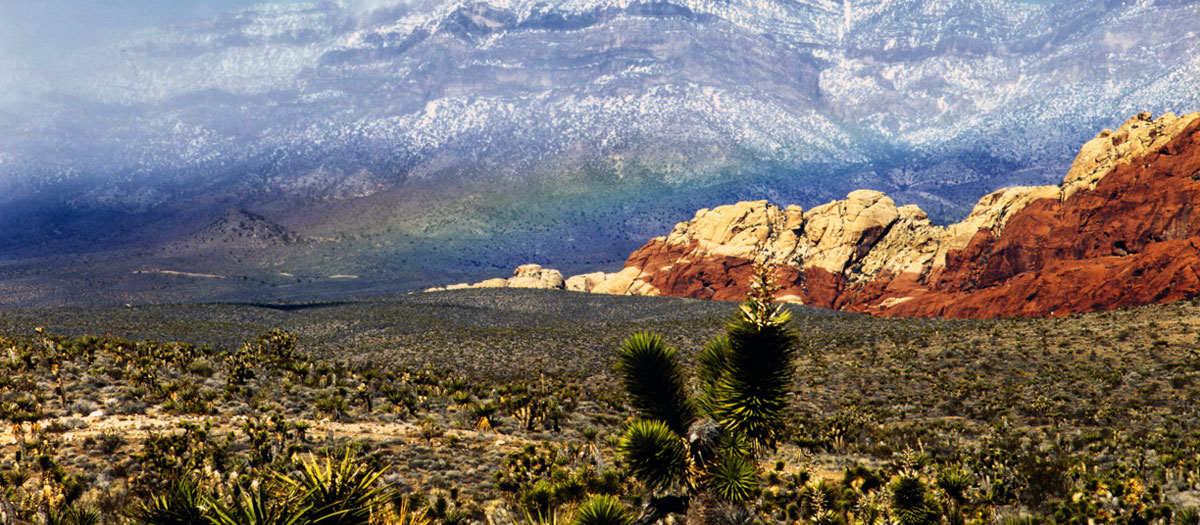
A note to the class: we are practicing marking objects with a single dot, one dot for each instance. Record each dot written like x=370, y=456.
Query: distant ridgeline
x=1123, y=228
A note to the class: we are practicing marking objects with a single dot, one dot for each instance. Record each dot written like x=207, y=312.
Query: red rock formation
x=1122, y=229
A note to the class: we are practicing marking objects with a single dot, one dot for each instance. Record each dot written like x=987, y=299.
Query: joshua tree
x=706, y=447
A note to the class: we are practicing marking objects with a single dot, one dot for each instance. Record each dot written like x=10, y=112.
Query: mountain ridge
x=1117, y=231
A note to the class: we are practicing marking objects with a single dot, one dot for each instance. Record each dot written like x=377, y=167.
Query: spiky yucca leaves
x=911, y=501
x=1187, y=516
x=655, y=453
x=655, y=381
x=826, y=517
x=557, y=516
x=729, y=514
x=337, y=494
x=404, y=513
x=734, y=478
x=182, y=504
x=955, y=482
x=257, y=508
x=712, y=363
x=734, y=443
x=602, y=510
x=751, y=392
x=72, y=515
x=745, y=380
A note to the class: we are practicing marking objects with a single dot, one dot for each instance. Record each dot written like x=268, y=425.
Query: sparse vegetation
x=508, y=406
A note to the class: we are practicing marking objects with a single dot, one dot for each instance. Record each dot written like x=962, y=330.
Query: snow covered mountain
x=426, y=130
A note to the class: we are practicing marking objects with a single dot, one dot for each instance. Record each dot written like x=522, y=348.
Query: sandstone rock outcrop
x=1122, y=228
x=525, y=276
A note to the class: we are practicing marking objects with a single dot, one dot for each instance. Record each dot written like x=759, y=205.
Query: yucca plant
x=483, y=412
x=602, y=510
x=181, y=504
x=826, y=517
x=556, y=516
x=72, y=515
x=746, y=376
x=911, y=502
x=1187, y=516
x=728, y=514
x=336, y=494
x=955, y=482
x=655, y=381
x=734, y=478
x=257, y=507
x=656, y=454
x=712, y=362
x=709, y=444
x=404, y=512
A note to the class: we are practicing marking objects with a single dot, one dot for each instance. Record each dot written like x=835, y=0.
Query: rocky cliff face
x=1123, y=228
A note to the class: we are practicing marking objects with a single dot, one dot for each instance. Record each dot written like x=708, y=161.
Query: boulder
x=585, y=282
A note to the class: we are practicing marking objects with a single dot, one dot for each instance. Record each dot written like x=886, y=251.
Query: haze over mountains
x=422, y=139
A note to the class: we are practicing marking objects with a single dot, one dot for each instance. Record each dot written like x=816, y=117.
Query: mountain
x=1119, y=230
x=418, y=134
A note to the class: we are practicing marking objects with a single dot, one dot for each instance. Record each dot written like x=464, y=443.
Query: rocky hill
x=1121, y=229
x=237, y=229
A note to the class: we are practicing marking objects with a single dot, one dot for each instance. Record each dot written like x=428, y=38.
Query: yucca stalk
x=656, y=454
x=655, y=381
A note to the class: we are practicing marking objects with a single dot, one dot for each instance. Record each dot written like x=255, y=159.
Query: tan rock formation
x=585, y=282
x=525, y=276
x=534, y=276
x=866, y=254
x=1133, y=140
